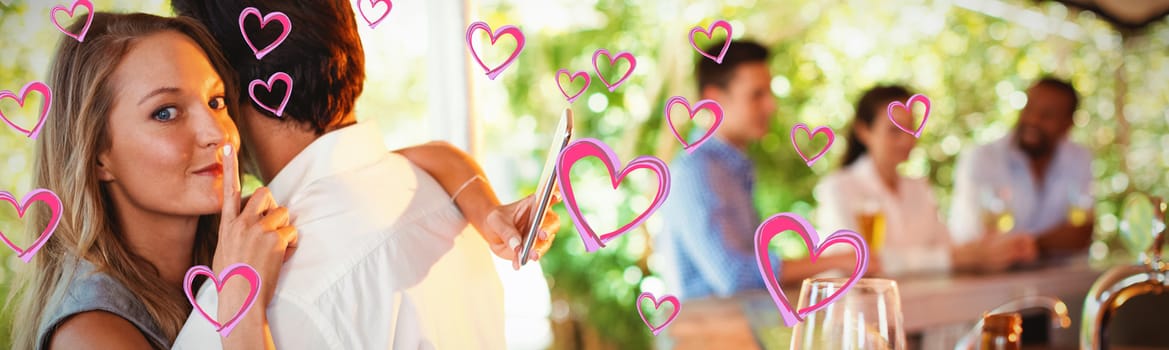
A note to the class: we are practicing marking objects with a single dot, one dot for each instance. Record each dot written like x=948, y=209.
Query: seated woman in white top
x=896, y=214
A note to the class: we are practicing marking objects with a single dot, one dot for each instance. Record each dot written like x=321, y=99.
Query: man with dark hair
x=708, y=241
x=1030, y=180
x=372, y=223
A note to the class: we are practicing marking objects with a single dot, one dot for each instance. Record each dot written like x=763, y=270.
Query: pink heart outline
x=508, y=29
x=45, y=106
x=239, y=269
x=590, y=147
x=37, y=195
x=281, y=76
x=657, y=306
x=277, y=16
x=709, y=33
x=613, y=62
x=906, y=106
x=372, y=3
x=572, y=77
x=784, y=222
x=710, y=105
x=80, y=37
x=812, y=135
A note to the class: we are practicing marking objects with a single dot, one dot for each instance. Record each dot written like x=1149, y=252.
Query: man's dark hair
x=1062, y=86
x=322, y=53
x=719, y=75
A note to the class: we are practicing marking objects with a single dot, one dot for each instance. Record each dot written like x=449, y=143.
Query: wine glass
x=867, y=316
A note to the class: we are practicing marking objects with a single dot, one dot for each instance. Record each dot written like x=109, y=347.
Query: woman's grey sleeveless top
x=87, y=290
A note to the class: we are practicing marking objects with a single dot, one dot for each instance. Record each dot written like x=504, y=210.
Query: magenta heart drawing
x=709, y=105
x=55, y=210
x=24, y=91
x=242, y=270
x=378, y=15
x=79, y=36
x=709, y=33
x=784, y=222
x=906, y=106
x=572, y=77
x=286, y=28
x=657, y=306
x=613, y=61
x=279, y=76
x=589, y=147
x=811, y=134
x=493, y=72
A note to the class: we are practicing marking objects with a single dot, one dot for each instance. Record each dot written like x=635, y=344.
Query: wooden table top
x=749, y=320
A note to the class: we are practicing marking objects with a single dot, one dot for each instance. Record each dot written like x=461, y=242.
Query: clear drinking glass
x=996, y=209
x=868, y=316
x=1079, y=205
x=871, y=221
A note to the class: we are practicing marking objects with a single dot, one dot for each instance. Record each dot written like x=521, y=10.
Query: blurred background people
x=1033, y=182
x=897, y=215
x=708, y=241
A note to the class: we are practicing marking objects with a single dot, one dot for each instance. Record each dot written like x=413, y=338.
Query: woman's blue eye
x=218, y=103
x=165, y=114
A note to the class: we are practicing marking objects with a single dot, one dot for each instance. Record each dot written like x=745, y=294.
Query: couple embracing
x=150, y=127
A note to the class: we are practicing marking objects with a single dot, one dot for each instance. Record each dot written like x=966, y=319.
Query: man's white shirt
x=384, y=258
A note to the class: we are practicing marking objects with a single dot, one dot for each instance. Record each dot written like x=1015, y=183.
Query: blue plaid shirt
x=710, y=223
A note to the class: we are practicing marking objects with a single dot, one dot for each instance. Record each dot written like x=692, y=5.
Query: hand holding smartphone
x=547, y=182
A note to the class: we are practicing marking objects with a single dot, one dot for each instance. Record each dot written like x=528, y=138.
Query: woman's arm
x=98, y=330
x=452, y=168
x=502, y=226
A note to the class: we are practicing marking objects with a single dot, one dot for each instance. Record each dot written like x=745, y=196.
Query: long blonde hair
x=67, y=148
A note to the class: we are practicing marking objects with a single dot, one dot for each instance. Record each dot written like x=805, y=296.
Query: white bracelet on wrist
x=464, y=186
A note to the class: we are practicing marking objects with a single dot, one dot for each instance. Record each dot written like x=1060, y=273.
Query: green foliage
x=974, y=67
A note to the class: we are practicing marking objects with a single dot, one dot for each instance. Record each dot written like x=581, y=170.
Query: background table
x=939, y=308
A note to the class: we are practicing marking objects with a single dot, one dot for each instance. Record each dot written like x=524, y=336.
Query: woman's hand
x=507, y=225
x=259, y=236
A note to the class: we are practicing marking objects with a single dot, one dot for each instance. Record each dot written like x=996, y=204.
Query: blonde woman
x=138, y=146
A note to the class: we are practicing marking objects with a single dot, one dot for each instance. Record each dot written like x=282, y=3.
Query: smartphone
x=547, y=181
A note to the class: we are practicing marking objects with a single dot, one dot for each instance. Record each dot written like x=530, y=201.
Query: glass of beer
x=1079, y=206
x=871, y=220
x=996, y=211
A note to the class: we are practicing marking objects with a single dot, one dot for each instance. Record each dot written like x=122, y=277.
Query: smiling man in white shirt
x=1034, y=173
x=373, y=225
